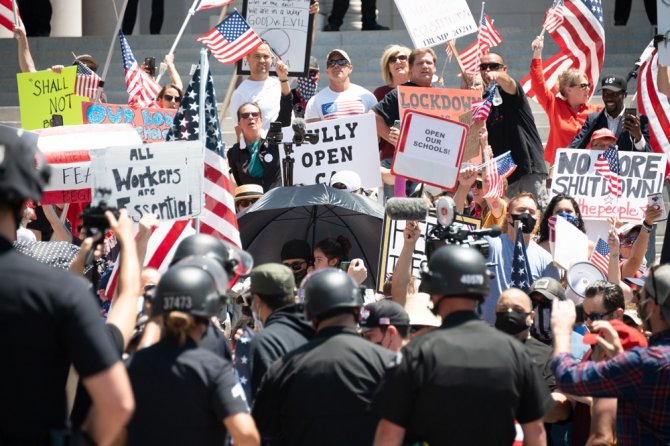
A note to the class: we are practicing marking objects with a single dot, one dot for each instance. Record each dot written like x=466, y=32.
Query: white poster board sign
x=571, y=245
x=663, y=14
x=434, y=22
x=159, y=178
x=430, y=149
x=641, y=174
x=344, y=144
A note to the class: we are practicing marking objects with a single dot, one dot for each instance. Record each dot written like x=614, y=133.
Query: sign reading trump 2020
x=641, y=174
x=159, y=178
x=432, y=22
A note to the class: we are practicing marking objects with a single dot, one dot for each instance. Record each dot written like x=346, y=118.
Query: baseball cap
x=657, y=285
x=614, y=83
x=272, y=279
x=248, y=191
x=296, y=249
x=418, y=306
x=349, y=179
x=383, y=313
x=23, y=170
x=548, y=287
x=342, y=53
x=603, y=133
x=630, y=337
x=87, y=60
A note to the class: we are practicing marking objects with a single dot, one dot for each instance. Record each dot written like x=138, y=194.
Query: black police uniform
x=284, y=330
x=182, y=395
x=464, y=383
x=48, y=320
x=319, y=393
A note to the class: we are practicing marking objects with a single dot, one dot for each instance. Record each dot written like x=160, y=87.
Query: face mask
x=571, y=218
x=511, y=322
x=527, y=220
x=541, y=328
x=299, y=275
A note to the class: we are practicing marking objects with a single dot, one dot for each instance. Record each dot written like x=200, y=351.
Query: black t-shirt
x=182, y=395
x=541, y=355
x=511, y=126
x=319, y=393
x=388, y=107
x=464, y=383
x=48, y=320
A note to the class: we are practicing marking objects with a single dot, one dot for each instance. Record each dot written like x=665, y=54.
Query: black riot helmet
x=189, y=289
x=23, y=171
x=456, y=271
x=233, y=260
x=329, y=289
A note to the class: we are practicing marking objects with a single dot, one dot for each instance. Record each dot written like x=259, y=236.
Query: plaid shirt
x=639, y=378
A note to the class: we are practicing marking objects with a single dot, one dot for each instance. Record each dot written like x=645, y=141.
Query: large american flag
x=342, y=108
x=581, y=40
x=232, y=39
x=496, y=171
x=488, y=35
x=218, y=216
x=207, y=4
x=600, y=256
x=142, y=89
x=87, y=81
x=607, y=165
x=7, y=14
x=520, y=274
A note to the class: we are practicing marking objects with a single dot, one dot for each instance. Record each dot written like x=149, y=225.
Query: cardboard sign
x=47, y=97
x=161, y=178
x=448, y=103
x=663, y=14
x=430, y=150
x=152, y=124
x=641, y=174
x=432, y=22
x=392, y=243
x=286, y=26
x=344, y=144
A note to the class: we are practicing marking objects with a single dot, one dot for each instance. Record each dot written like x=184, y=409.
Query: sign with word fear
x=152, y=124
x=434, y=22
x=159, y=178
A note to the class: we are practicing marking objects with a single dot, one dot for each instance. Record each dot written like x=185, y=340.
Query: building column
x=66, y=20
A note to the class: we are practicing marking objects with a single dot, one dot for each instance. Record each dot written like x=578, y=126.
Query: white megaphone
x=580, y=276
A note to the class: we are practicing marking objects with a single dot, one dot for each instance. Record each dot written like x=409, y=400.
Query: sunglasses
x=596, y=316
x=171, y=98
x=296, y=266
x=490, y=66
x=584, y=86
x=394, y=59
x=246, y=203
x=249, y=115
x=341, y=62
x=628, y=241
x=478, y=184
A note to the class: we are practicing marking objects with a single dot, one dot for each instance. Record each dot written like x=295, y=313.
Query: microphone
x=407, y=209
x=445, y=207
x=300, y=135
x=493, y=231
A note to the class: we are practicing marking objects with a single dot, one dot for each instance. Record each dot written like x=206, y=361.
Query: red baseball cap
x=603, y=133
x=630, y=337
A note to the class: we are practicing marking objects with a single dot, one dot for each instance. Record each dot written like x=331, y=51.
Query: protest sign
x=286, y=26
x=47, y=99
x=663, y=29
x=571, y=245
x=448, y=103
x=430, y=150
x=641, y=174
x=392, y=242
x=160, y=178
x=344, y=144
x=66, y=151
x=432, y=22
x=152, y=124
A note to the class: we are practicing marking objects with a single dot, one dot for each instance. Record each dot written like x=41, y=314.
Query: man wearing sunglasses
x=297, y=255
x=342, y=97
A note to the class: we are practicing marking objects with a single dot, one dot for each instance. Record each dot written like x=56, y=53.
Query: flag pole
x=191, y=13
x=16, y=13
x=204, y=76
x=479, y=26
x=115, y=37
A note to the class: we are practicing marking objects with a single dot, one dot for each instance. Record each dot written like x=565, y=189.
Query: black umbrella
x=312, y=213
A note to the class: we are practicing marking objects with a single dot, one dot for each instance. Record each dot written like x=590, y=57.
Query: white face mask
x=258, y=323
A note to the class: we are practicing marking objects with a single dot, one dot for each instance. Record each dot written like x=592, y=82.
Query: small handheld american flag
x=231, y=40
x=607, y=165
x=600, y=256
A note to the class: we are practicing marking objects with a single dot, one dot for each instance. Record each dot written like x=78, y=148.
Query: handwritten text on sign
x=152, y=124
x=448, y=103
x=641, y=174
x=160, y=178
x=431, y=22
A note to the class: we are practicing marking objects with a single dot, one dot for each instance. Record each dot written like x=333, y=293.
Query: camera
x=150, y=65
x=94, y=220
x=275, y=135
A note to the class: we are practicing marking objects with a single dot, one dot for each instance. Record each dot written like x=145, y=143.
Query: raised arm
x=25, y=58
x=403, y=267
x=175, y=78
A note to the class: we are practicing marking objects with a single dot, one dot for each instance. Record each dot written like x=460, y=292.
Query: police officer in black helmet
x=466, y=382
x=318, y=394
x=185, y=394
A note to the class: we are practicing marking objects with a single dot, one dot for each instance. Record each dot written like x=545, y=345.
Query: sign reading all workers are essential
x=432, y=22
x=344, y=144
x=430, y=150
x=641, y=174
x=160, y=178
x=152, y=124
x=47, y=99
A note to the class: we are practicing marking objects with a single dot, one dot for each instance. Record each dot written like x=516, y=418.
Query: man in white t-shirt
x=341, y=98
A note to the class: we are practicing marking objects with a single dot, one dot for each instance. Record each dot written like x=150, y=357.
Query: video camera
x=300, y=135
x=94, y=220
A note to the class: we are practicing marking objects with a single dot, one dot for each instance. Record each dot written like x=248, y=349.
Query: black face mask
x=299, y=275
x=541, y=328
x=511, y=322
x=527, y=220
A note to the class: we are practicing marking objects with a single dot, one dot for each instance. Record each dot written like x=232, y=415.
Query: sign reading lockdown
x=641, y=174
x=47, y=99
x=430, y=150
x=160, y=178
x=344, y=144
x=432, y=22
x=152, y=124
x=448, y=103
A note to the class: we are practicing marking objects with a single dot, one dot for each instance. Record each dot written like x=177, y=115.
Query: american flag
x=554, y=17
x=7, y=14
x=218, y=216
x=241, y=360
x=482, y=107
x=340, y=109
x=232, y=39
x=607, y=165
x=581, y=41
x=520, y=269
x=87, y=81
x=448, y=49
x=142, y=89
x=207, y=4
x=600, y=256
x=488, y=35
x=496, y=171
x=470, y=58
x=306, y=86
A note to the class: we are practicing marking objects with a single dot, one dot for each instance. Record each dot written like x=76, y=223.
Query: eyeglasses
x=628, y=241
x=246, y=203
x=490, y=66
x=171, y=98
x=394, y=59
x=249, y=115
x=582, y=86
x=478, y=184
x=596, y=316
x=312, y=73
x=341, y=62
x=296, y=266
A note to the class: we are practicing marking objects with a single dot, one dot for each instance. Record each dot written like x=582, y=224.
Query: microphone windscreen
x=299, y=126
x=407, y=209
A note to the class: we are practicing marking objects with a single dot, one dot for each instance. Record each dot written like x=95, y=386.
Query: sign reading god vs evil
x=432, y=22
x=159, y=178
x=152, y=124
